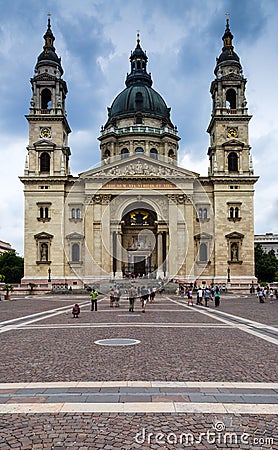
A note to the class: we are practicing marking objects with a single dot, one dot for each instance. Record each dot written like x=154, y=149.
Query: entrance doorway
x=139, y=266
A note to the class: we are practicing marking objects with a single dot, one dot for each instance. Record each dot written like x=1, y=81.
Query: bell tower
x=48, y=151
x=46, y=176
x=231, y=172
x=229, y=151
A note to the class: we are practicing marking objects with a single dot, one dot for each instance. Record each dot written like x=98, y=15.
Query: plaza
x=195, y=377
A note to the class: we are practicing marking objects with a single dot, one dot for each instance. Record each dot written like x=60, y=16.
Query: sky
x=94, y=39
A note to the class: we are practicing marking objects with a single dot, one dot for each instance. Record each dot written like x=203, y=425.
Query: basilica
x=138, y=213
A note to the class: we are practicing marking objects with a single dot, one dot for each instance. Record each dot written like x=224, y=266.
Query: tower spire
x=228, y=37
x=48, y=38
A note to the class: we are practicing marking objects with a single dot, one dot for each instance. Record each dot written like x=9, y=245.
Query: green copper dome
x=138, y=96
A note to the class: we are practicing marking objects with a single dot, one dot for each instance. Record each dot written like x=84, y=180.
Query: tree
x=266, y=264
x=11, y=266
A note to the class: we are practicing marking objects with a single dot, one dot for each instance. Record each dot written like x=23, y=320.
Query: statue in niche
x=234, y=252
x=44, y=252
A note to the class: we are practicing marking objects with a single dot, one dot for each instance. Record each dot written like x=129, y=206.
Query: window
x=75, y=253
x=43, y=211
x=139, y=120
x=124, y=153
x=153, y=153
x=139, y=150
x=233, y=162
x=234, y=211
x=231, y=99
x=202, y=214
x=107, y=154
x=75, y=213
x=171, y=154
x=45, y=162
x=46, y=99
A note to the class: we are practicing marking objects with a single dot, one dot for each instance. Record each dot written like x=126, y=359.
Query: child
x=75, y=311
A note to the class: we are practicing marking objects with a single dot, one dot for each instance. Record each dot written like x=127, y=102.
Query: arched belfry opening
x=46, y=100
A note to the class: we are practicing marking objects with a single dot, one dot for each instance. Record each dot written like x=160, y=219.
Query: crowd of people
x=204, y=295
x=267, y=293
x=143, y=293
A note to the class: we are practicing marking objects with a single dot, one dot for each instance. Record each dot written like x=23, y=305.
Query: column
x=159, y=255
x=118, y=273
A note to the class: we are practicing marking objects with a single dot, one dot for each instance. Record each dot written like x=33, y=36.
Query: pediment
x=233, y=143
x=45, y=77
x=232, y=76
x=75, y=236
x=43, y=235
x=44, y=143
x=234, y=235
x=202, y=236
x=139, y=166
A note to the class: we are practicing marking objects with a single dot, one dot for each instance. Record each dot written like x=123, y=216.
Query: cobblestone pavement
x=177, y=344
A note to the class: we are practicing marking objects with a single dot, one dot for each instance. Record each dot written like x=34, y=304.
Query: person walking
x=217, y=297
x=207, y=296
x=132, y=293
x=189, y=297
x=117, y=296
x=112, y=297
x=199, y=296
x=144, y=298
x=94, y=296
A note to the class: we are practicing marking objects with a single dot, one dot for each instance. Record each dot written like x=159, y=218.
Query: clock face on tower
x=232, y=133
x=45, y=132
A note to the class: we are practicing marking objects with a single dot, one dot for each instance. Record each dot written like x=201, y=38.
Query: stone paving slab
x=84, y=431
x=162, y=355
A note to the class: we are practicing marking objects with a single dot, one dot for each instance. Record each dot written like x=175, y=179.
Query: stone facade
x=138, y=212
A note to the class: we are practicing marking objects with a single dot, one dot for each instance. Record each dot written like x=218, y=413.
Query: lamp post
x=49, y=275
x=229, y=272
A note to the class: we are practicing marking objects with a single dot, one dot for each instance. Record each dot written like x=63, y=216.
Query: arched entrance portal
x=139, y=239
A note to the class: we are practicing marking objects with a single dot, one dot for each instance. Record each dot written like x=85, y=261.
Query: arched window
x=153, y=153
x=203, y=252
x=46, y=99
x=138, y=120
x=231, y=213
x=231, y=99
x=45, y=162
x=171, y=154
x=124, y=153
x=107, y=154
x=236, y=212
x=41, y=212
x=73, y=213
x=78, y=213
x=205, y=213
x=139, y=150
x=75, y=253
x=233, y=162
x=200, y=213
x=46, y=212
